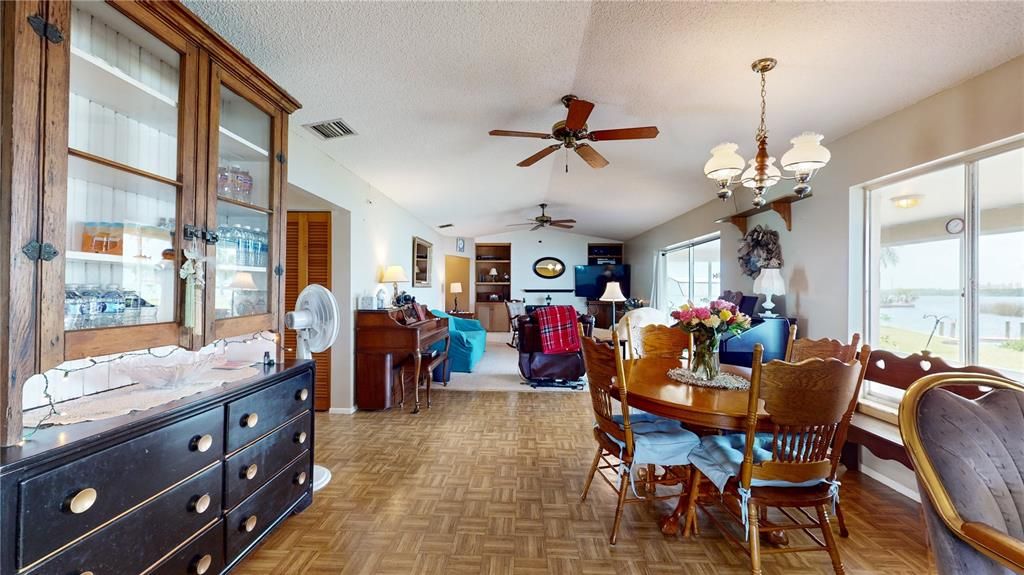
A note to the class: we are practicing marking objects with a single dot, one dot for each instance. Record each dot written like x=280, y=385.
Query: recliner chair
x=538, y=367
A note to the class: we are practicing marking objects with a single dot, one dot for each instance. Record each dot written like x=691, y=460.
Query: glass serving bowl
x=178, y=369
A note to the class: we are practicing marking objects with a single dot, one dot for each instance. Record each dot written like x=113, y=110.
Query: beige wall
x=823, y=253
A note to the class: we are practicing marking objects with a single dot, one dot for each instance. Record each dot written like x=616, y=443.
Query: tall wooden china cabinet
x=131, y=134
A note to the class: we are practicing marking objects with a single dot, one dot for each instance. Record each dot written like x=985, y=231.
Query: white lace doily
x=136, y=397
x=721, y=381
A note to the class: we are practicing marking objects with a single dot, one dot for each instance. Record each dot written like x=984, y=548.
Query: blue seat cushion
x=719, y=458
x=658, y=441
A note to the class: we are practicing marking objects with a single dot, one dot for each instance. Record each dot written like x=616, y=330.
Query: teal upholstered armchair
x=468, y=342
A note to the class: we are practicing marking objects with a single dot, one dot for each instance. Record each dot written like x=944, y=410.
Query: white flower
x=712, y=321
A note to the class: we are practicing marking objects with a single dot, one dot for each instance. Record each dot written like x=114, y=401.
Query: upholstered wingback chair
x=969, y=459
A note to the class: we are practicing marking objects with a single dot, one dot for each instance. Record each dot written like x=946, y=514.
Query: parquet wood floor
x=489, y=483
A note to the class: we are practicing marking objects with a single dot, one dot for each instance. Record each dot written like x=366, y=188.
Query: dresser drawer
x=256, y=414
x=203, y=556
x=59, y=506
x=250, y=468
x=247, y=522
x=136, y=541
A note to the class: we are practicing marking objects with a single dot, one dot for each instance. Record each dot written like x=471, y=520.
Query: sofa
x=538, y=367
x=469, y=340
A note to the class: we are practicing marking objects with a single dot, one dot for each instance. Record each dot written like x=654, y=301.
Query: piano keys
x=388, y=352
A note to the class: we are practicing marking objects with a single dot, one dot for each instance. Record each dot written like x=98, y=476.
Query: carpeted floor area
x=497, y=371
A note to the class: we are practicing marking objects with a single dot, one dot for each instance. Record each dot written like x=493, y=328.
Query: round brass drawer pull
x=249, y=524
x=82, y=501
x=249, y=471
x=250, y=420
x=300, y=437
x=202, y=503
x=302, y=395
x=202, y=443
x=202, y=565
x=86, y=573
x=300, y=478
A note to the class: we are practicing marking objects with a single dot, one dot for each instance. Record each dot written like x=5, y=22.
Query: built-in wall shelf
x=781, y=206
x=604, y=254
x=493, y=283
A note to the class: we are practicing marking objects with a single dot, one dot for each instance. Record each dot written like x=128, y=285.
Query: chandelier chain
x=762, y=130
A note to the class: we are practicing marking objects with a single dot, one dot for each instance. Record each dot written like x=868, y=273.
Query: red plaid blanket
x=558, y=331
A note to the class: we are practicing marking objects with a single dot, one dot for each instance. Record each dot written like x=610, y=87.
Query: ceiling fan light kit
x=573, y=133
x=804, y=159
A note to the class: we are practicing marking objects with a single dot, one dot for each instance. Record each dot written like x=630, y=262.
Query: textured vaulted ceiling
x=423, y=83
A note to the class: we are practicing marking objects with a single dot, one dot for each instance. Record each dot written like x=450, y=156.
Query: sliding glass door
x=691, y=273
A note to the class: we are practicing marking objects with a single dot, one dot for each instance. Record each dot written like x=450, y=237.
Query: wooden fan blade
x=536, y=227
x=539, y=156
x=569, y=221
x=579, y=111
x=624, y=134
x=563, y=226
x=591, y=156
x=515, y=134
x=522, y=224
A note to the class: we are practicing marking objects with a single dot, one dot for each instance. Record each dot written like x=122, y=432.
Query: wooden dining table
x=699, y=408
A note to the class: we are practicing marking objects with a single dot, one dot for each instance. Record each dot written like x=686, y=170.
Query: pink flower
x=702, y=313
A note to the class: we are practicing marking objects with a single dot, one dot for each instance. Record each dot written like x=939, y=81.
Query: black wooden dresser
x=189, y=487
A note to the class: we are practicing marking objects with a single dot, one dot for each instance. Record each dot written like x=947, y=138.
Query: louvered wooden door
x=308, y=261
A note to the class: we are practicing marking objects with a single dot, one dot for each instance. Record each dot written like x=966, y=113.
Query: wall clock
x=955, y=226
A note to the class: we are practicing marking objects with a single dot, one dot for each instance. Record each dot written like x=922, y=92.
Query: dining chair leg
x=624, y=485
x=830, y=541
x=754, y=536
x=690, y=523
x=843, y=531
x=651, y=487
x=590, y=476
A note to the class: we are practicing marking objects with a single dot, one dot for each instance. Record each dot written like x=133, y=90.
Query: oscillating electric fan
x=316, y=320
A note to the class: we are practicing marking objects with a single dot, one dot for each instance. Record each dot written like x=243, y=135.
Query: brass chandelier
x=804, y=159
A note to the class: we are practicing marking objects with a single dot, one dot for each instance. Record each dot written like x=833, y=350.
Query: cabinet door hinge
x=46, y=30
x=280, y=157
x=278, y=270
x=36, y=251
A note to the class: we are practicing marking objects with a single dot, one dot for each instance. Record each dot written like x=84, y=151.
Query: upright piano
x=772, y=333
x=389, y=347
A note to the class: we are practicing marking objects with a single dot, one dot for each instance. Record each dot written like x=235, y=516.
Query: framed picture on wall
x=422, y=262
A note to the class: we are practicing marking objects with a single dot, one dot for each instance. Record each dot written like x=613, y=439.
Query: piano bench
x=429, y=361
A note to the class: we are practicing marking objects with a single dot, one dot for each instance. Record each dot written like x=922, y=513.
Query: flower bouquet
x=707, y=324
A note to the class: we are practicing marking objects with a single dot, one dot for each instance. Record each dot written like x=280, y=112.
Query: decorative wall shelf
x=781, y=206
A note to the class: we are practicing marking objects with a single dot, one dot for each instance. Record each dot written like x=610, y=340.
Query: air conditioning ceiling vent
x=332, y=129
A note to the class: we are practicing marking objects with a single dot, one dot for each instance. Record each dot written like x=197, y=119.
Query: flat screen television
x=591, y=280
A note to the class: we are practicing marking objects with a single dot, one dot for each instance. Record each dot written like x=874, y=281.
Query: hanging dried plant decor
x=760, y=249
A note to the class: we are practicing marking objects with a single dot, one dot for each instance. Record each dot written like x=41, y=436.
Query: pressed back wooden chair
x=613, y=431
x=798, y=350
x=809, y=406
x=664, y=341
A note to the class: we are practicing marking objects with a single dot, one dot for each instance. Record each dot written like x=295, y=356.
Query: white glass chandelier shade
x=806, y=155
x=725, y=163
x=772, y=175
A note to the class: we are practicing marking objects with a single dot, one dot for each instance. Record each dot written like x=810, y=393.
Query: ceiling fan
x=572, y=132
x=544, y=220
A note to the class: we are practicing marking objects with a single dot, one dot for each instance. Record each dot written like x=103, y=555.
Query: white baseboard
x=890, y=483
x=342, y=410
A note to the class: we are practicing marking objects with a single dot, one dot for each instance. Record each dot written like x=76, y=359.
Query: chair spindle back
x=664, y=341
x=809, y=404
x=801, y=349
x=604, y=369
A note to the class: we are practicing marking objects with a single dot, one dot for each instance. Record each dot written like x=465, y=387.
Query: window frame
x=970, y=298
x=688, y=245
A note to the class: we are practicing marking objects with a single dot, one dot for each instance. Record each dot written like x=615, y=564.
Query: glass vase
x=704, y=363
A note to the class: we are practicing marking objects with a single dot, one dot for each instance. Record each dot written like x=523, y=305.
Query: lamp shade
x=455, y=287
x=807, y=154
x=613, y=292
x=750, y=176
x=769, y=282
x=725, y=163
x=493, y=272
x=393, y=274
x=242, y=280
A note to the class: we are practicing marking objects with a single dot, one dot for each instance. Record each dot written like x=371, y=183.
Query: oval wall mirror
x=549, y=268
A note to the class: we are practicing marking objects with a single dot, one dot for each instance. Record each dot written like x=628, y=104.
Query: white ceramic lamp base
x=768, y=306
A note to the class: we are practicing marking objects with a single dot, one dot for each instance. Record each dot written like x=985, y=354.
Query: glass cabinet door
x=124, y=191
x=244, y=185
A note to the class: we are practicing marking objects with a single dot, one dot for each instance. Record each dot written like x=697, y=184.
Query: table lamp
x=393, y=275
x=612, y=293
x=455, y=288
x=494, y=274
x=769, y=282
